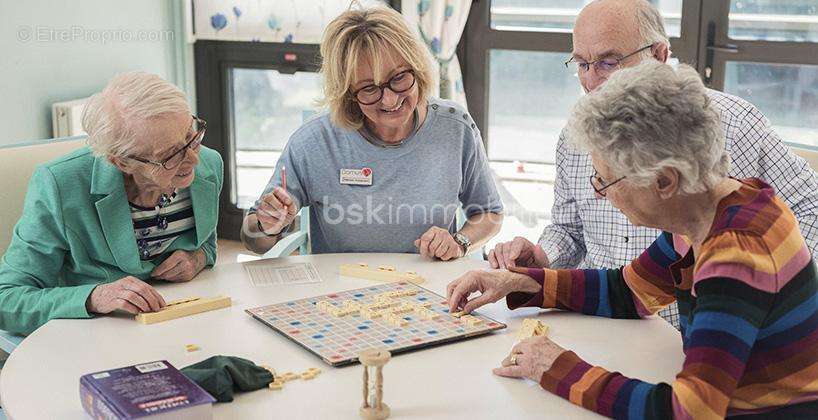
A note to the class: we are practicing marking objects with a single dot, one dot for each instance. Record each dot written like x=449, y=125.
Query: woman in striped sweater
x=731, y=255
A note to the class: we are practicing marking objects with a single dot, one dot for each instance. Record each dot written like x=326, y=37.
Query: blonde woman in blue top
x=387, y=167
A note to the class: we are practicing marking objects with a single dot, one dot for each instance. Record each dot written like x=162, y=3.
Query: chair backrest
x=808, y=153
x=17, y=164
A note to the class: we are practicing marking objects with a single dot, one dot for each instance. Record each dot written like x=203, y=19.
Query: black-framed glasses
x=196, y=133
x=596, y=179
x=399, y=83
x=605, y=65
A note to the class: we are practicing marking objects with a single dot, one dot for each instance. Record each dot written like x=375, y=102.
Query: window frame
x=716, y=47
x=480, y=38
x=214, y=101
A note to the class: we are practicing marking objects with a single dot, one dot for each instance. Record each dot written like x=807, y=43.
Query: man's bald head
x=608, y=18
x=616, y=28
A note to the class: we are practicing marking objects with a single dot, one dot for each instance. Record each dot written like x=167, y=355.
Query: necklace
x=369, y=136
x=161, y=225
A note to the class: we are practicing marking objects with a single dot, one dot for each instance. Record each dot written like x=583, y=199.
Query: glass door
x=253, y=95
x=520, y=93
x=766, y=51
x=267, y=106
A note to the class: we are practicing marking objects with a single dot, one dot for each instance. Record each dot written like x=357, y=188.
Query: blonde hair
x=129, y=98
x=367, y=34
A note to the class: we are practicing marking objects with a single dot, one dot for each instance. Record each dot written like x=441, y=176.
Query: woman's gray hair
x=651, y=26
x=650, y=117
x=128, y=99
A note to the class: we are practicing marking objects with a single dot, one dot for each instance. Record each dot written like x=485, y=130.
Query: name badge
x=356, y=176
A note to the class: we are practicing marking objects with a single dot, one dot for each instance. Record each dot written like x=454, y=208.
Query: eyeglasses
x=399, y=83
x=596, y=179
x=605, y=65
x=197, y=131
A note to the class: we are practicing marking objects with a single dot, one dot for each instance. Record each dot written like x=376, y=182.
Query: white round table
x=41, y=378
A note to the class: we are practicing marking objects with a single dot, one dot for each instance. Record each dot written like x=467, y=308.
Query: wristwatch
x=463, y=241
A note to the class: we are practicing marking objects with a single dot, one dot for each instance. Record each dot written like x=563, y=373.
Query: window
x=766, y=54
x=268, y=106
x=521, y=94
x=530, y=97
x=559, y=16
x=254, y=95
x=774, y=20
x=786, y=94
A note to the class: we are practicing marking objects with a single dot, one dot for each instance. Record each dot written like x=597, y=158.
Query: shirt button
x=434, y=106
x=626, y=239
x=472, y=126
x=451, y=110
x=465, y=116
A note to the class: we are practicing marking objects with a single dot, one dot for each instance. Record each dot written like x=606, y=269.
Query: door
x=766, y=51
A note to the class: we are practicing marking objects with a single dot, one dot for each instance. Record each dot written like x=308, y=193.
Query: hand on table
x=438, y=243
x=493, y=285
x=519, y=252
x=128, y=294
x=181, y=266
x=530, y=358
x=276, y=211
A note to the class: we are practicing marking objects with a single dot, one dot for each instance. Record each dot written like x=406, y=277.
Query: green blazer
x=76, y=232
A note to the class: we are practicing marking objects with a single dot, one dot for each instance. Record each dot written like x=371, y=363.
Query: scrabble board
x=315, y=324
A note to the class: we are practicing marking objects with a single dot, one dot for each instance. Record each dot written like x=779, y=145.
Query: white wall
x=55, y=50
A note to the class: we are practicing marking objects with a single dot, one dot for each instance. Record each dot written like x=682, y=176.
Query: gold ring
x=513, y=359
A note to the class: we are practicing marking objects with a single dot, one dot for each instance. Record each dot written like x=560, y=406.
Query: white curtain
x=440, y=24
x=297, y=21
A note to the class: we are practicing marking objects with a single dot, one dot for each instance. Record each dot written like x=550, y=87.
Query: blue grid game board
x=338, y=340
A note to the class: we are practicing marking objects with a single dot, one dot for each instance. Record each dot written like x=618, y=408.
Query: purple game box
x=150, y=390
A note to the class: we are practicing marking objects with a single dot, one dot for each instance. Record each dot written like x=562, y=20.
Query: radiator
x=66, y=118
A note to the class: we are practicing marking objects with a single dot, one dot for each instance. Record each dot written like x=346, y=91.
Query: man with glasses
x=586, y=231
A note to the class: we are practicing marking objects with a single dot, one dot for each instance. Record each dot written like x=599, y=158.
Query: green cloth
x=76, y=232
x=221, y=376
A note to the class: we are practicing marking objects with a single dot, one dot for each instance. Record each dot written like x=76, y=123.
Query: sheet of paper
x=267, y=275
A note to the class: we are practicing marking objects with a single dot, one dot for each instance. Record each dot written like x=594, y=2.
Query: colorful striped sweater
x=749, y=318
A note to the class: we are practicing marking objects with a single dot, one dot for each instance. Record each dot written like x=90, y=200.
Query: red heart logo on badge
x=366, y=171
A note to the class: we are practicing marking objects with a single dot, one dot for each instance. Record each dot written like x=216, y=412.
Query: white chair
x=17, y=164
x=299, y=240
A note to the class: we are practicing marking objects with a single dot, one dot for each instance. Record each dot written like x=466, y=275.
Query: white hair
x=650, y=117
x=129, y=98
x=651, y=26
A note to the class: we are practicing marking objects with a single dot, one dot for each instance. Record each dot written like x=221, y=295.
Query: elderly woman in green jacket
x=140, y=203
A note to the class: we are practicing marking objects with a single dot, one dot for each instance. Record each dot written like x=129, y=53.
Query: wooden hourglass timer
x=373, y=361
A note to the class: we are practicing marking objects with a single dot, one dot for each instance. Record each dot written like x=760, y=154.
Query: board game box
x=153, y=390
